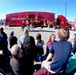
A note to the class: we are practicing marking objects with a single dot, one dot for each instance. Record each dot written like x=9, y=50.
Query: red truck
x=63, y=22
x=36, y=18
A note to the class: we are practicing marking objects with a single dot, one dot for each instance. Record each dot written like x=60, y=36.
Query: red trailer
x=16, y=19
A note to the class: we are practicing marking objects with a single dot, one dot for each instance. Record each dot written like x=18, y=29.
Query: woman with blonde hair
x=24, y=40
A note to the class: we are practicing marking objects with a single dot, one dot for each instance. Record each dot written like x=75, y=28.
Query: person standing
x=23, y=25
x=12, y=39
x=4, y=35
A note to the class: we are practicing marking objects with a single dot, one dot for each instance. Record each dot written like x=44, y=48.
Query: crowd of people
x=60, y=56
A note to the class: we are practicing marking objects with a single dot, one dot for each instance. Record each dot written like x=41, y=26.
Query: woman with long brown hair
x=49, y=43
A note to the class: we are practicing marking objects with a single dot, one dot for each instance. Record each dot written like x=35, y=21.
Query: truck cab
x=63, y=22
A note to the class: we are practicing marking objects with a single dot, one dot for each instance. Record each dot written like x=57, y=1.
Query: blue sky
x=56, y=6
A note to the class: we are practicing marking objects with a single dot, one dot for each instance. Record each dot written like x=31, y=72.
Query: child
x=60, y=51
x=39, y=44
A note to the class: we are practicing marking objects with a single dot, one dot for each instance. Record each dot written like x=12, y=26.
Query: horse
x=37, y=24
